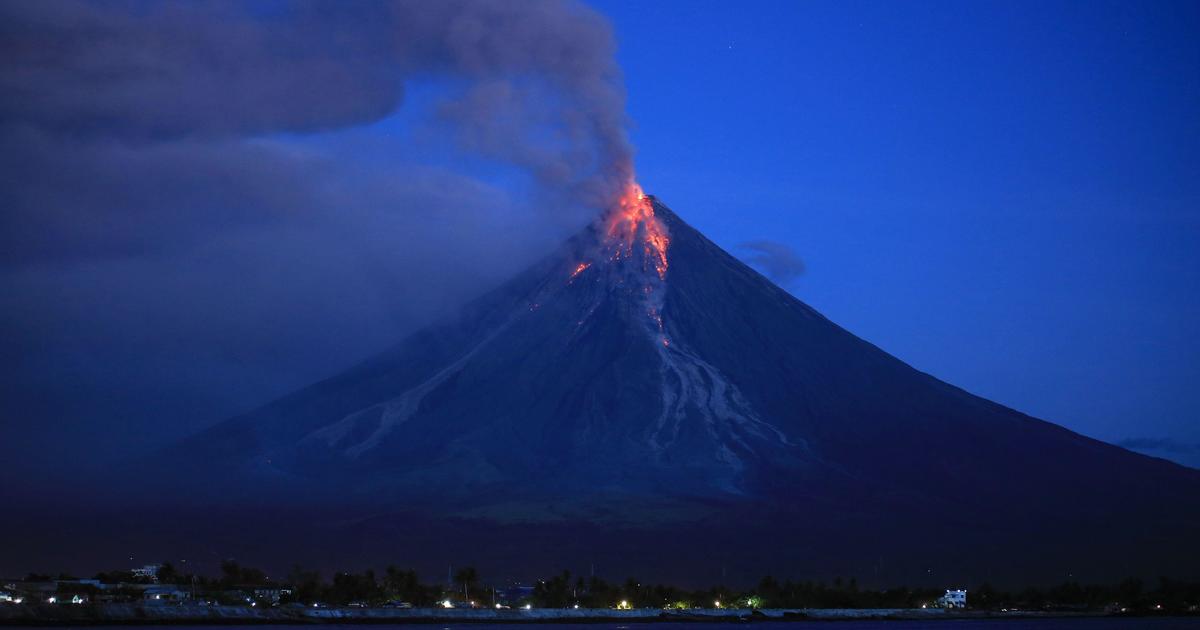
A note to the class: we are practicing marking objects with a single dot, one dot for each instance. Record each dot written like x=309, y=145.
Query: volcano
x=640, y=379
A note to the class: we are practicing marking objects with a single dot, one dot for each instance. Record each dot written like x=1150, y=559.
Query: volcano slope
x=642, y=380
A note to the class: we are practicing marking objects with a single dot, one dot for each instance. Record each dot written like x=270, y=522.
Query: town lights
x=447, y=604
x=624, y=605
x=717, y=604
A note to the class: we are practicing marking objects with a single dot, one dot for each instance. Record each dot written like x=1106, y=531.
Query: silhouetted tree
x=467, y=577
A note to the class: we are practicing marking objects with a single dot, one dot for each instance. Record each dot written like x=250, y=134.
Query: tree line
x=394, y=585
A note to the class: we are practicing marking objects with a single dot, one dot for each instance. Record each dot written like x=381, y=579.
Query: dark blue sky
x=1005, y=195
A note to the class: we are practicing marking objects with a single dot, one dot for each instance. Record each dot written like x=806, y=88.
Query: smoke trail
x=547, y=92
x=541, y=89
x=162, y=206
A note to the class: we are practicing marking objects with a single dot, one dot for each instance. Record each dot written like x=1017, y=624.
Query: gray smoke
x=777, y=260
x=539, y=86
x=189, y=224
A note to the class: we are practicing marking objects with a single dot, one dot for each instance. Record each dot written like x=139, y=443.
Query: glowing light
x=528, y=606
x=624, y=605
x=579, y=269
x=447, y=604
x=633, y=218
x=717, y=604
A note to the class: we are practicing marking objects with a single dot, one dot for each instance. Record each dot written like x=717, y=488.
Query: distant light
x=576, y=606
x=528, y=606
x=447, y=604
x=497, y=605
x=52, y=600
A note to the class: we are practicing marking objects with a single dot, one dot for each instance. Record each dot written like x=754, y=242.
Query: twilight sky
x=1005, y=195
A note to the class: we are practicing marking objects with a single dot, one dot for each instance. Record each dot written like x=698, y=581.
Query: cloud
x=1160, y=445
x=169, y=69
x=777, y=260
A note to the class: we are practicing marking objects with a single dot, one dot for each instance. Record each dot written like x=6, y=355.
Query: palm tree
x=467, y=576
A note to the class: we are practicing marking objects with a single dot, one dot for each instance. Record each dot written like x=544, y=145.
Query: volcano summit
x=642, y=378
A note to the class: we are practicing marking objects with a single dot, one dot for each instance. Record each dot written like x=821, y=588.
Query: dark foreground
x=845, y=623
x=143, y=616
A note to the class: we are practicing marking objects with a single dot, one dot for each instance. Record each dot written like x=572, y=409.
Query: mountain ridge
x=668, y=399
x=392, y=389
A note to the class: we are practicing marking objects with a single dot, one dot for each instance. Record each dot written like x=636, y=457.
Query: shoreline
x=134, y=614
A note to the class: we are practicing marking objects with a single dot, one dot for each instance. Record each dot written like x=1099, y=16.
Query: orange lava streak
x=633, y=218
x=579, y=269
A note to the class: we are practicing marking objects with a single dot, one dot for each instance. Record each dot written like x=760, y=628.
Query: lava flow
x=579, y=269
x=632, y=220
x=631, y=224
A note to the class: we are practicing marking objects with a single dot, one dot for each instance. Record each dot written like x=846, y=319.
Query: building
x=512, y=596
x=956, y=598
x=163, y=595
x=148, y=571
x=271, y=594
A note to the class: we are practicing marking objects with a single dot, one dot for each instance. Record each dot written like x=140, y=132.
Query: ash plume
x=177, y=175
x=538, y=83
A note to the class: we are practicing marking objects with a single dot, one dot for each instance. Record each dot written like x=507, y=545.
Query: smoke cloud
x=779, y=261
x=207, y=204
x=541, y=86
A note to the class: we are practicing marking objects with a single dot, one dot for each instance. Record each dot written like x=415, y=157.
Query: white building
x=149, y=571
x=956, y=598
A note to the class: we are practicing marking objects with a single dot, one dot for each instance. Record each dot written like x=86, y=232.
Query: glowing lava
x=636, y=239
x=632, y=222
